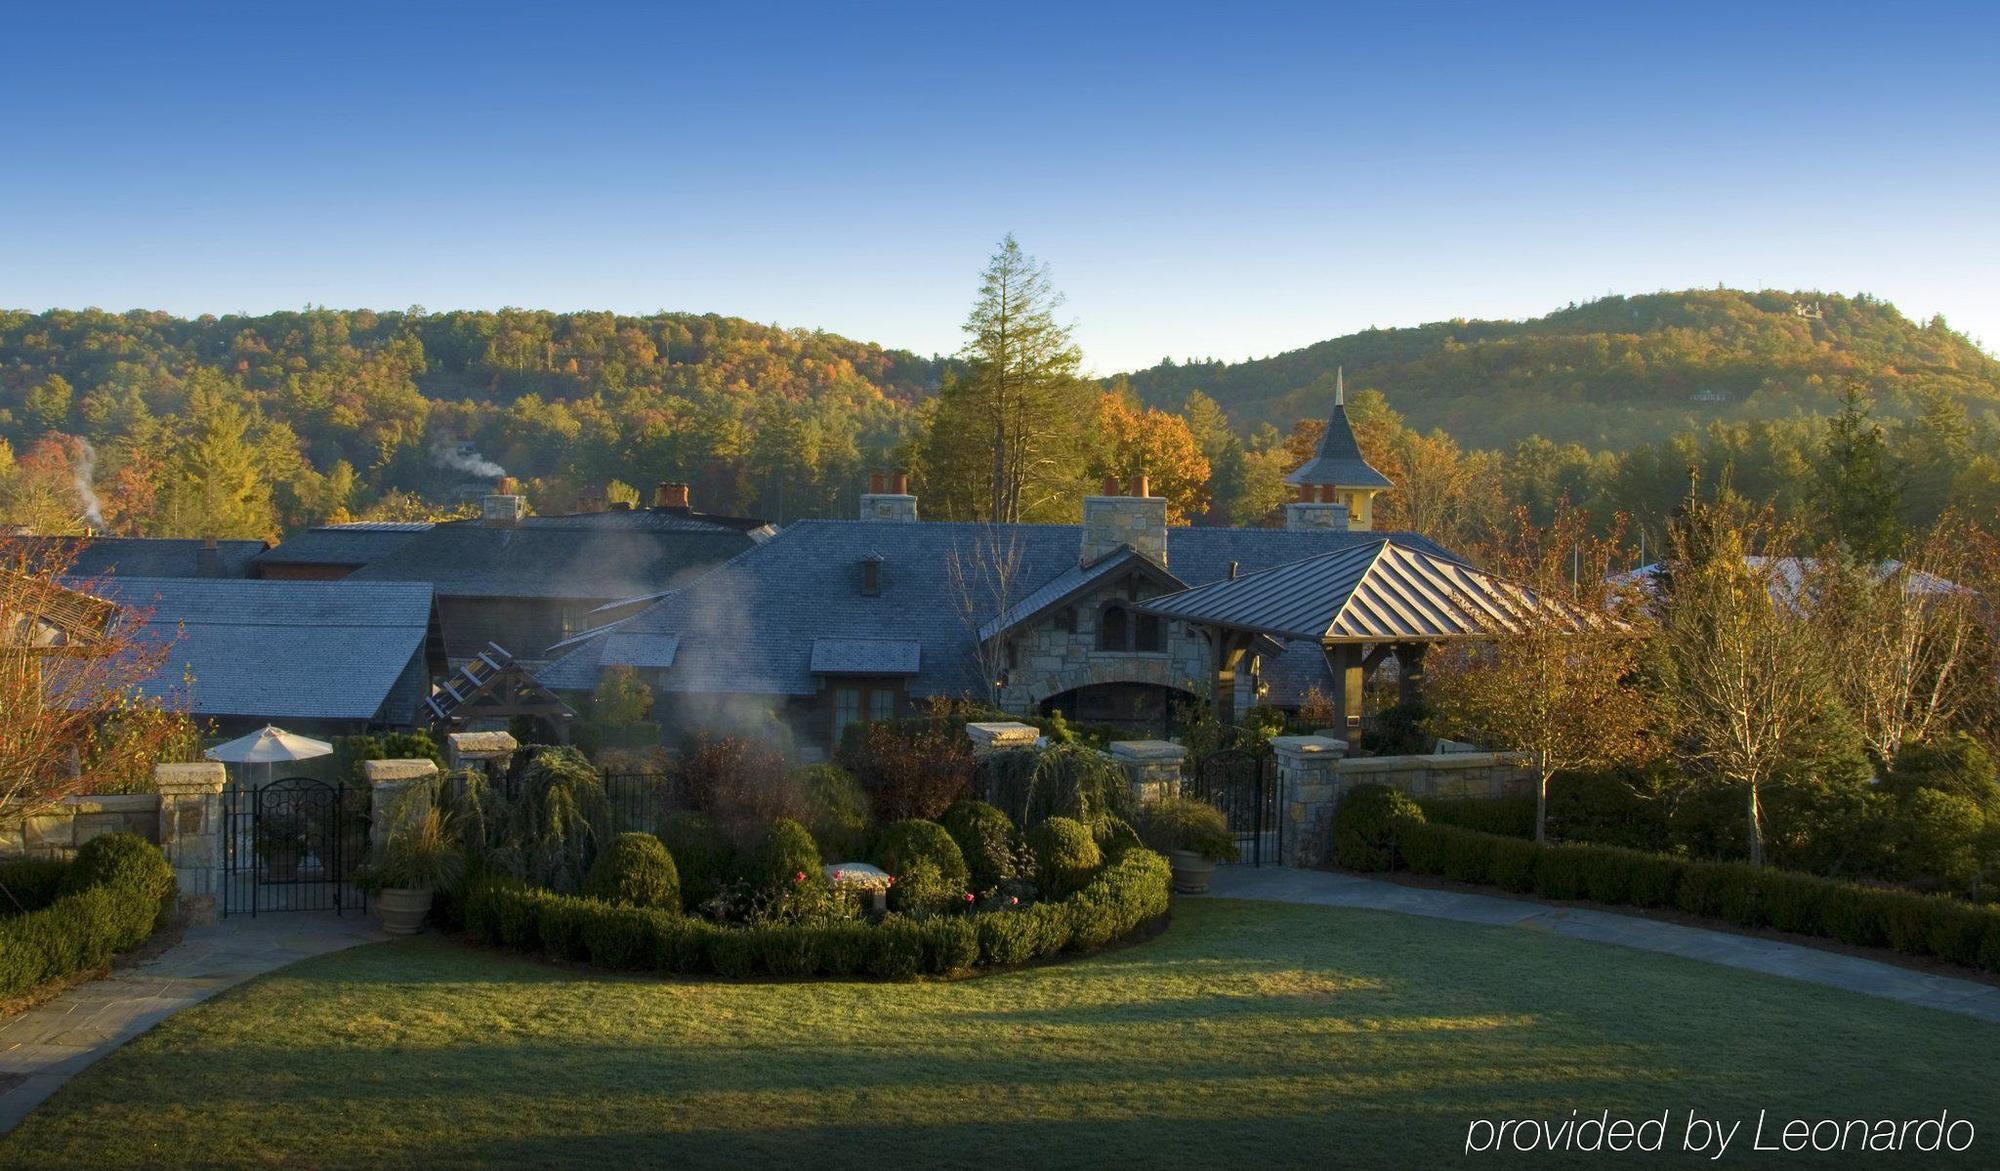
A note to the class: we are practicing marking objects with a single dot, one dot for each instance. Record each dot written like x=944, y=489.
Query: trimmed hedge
x=1511, y=816
x=29, y=886
x=635, y=870
x=113, y=894
x=1734, y=892
x=1366, y=823
x=1066, y=855
x=1124, y=896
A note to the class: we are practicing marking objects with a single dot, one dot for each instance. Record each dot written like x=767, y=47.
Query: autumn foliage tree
x=1558, y=680
x=73, y=715
x=1137, y=440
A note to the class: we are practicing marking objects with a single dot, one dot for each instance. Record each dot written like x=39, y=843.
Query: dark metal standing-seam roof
x=1381, y=592
x=747, y=626
x=286, y=649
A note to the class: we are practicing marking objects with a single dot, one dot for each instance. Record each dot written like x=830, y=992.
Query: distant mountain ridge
x=1611, y=372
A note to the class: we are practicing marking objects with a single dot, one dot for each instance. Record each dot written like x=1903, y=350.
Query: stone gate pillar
x=399, y=792
x=191, y=829
x=1152, y=766
x=1309, y=778
x=989, y=737
x=491, y=752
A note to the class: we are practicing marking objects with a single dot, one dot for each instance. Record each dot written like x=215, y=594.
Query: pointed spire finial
x=1339, y=386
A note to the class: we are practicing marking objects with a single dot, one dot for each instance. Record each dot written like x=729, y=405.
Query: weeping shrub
x=546, y=836
x=1031, y=785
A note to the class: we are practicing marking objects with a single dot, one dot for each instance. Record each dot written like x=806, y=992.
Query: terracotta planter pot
x=403, y=910
x=1191, y=872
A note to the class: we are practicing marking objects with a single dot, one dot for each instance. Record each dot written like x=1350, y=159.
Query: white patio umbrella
x=268, y=746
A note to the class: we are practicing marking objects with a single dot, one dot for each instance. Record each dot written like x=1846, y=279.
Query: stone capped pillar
x=1152, y=766
x=999, y=735
x=1309, y=778
x=489, y=751
x=191, y=831
x=399, y=792
x=1316, y=515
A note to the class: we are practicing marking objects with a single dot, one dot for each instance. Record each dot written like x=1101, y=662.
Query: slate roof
x=863, y=656
x=153, y=556
x=349, y=544
x=1338, y=459
x=1380, y=591
x=748, y=626
x=281, y=650
x=1074, y=581
x=545, y=558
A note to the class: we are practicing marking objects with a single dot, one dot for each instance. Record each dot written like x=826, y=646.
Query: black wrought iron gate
x=293, y=845
x=1243, y=783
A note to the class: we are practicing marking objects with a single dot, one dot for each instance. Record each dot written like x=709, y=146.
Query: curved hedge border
x=82, y=930
x=1127, y=894
x=1734, y=892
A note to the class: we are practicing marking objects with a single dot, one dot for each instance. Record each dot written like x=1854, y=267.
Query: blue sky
x=1230, y=180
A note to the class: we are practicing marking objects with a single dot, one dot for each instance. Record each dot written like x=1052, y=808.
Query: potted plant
x=1193, y=835
x=280, y=844
x=420, y=858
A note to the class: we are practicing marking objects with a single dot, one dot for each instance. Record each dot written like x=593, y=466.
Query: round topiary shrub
x=1066, y=856
x=986, y=838
x=786, y=852
x=702, y=854
x=921, y=890
x=1365, y=826
x=635, y=871
x=906, y=842
x=125, y=861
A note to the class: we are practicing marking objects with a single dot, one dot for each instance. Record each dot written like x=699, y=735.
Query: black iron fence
x=640, y=802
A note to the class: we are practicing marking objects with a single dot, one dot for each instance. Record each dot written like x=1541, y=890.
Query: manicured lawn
x=1248, y=1035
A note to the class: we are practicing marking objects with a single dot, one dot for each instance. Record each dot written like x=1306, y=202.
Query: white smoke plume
x=467, y=460
x=83, y=472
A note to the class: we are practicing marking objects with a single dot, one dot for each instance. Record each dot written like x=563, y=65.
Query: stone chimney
x=1112, y=521
x=670, y=494
x=888, y=498
x=505, y=507
x=208, y=559
x=1315, y=509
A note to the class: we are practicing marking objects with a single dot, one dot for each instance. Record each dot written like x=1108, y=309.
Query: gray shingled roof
x=748, y=627
x=155, y=557
x=1338, y=459
x=349, y=544
x=588, y=561
x=865, y=656
x=1383, y=591
x=288, y=650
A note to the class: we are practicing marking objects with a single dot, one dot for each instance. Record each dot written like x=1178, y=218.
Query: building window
x=862, y=703
x=1146, y=633
x=1111, y=629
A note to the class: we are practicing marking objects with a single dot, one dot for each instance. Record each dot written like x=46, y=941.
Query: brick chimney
x=888, y=498
x=670, y=494
x=1112, y=521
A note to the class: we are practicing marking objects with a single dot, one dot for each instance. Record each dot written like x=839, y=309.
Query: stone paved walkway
x=45, y=1046
x=1769, y=956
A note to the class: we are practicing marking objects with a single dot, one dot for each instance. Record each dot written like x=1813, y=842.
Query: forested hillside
x=143, y=423
x=1610, y=373
x=253, y=424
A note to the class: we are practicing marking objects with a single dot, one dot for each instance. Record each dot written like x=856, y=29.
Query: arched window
x=1111, y=628
x=1146, y=632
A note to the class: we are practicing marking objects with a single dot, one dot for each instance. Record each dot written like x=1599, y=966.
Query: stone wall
x=1457, y=774
x=1315, y=773
x=57, y=833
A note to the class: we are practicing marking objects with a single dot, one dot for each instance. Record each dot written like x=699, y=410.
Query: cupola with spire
x=1336, y=486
